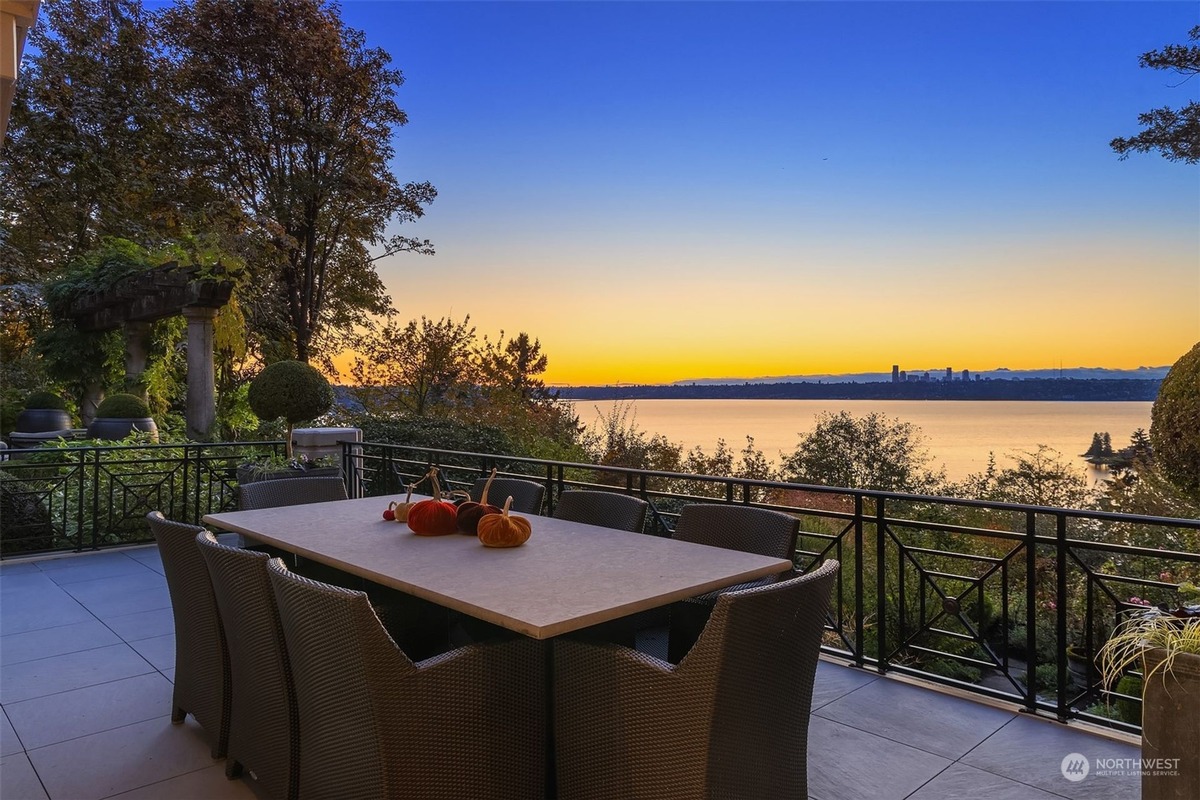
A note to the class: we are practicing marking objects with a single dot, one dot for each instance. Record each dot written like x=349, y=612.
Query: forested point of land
x=1032, y=389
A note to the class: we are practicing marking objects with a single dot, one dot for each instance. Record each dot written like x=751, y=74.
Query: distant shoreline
x=1064, y=389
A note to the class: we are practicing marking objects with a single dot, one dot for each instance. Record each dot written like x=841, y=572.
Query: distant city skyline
x=659, y=191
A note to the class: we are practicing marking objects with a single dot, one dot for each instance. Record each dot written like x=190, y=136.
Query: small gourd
x=433, y=517
x=469, y=513
x=400, y=510
x=503, y=529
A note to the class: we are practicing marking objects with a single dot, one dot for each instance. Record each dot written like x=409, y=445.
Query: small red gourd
x=469, y=513
x=433, y=517
x=503, y=529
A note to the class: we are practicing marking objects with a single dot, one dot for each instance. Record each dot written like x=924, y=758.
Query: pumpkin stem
x=486, y=486
x=437, y=490
x=507, y=506
x=408, y=497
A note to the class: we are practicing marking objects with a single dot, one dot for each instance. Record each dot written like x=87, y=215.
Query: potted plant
x=44, y=412
x=1165, y=641
x=119, y=415
x=296, y=392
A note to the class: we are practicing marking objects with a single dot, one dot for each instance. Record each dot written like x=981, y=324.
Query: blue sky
x=685, y=189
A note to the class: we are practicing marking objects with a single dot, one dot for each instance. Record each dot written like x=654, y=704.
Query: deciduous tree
x=1175, y=133
x=292, y=118
x=868, y=452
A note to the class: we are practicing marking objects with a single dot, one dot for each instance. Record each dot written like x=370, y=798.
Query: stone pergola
x=16, y=18
x=136, y=301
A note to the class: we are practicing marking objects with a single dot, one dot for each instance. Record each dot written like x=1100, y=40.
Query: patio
x=87, y=660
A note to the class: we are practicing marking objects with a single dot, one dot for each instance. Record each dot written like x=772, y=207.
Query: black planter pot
x=116, y=428
x=42, y=420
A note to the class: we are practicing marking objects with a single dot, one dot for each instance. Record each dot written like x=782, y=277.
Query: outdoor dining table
x=567, y=577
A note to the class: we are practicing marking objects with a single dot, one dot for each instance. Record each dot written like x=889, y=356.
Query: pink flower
x=1051, y=605
x=1137, y=601
x=1166, y=575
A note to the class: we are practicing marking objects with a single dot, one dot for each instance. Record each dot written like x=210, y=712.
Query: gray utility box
x=315, y=443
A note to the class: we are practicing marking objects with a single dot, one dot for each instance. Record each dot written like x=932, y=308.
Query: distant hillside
x=1000, y=373
x=993, y=389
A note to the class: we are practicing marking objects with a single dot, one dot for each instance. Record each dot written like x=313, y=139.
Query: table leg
x=551, y=768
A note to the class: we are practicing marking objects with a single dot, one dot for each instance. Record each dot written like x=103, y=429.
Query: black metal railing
x=1006, y=600
x=89, y=497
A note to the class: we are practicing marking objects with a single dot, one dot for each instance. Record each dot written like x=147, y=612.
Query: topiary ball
x=292, y=390
x=1175, y=422
x=122, y=406
x=45, y=399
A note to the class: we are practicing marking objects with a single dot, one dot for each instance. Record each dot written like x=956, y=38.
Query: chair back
x=264, y=731
x=344, y=665
x=751, y=530
x=467, y=723
x=759, y=653
x=607, y=509
x=202, y=676
x=527, y=495
x=291, y=492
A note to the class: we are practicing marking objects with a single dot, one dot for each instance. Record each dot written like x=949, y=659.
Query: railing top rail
x=993, y=505
x=140, y=446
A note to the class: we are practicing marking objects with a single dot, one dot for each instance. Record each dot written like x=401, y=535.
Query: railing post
x=1060, y=567
x=880, y=584
x=1031, y=611
x=82, y=473
x=860, y=638
x=95, y=497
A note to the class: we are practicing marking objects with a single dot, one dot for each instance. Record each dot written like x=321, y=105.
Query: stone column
x=201, y=383
x=137, y=341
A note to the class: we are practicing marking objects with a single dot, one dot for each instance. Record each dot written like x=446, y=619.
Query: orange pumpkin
x=470, y=513
x=433, y=517
x=503, y=529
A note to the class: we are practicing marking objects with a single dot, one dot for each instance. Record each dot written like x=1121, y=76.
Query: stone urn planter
x=1165, y=642
x=1171, y=727
x=120, y=415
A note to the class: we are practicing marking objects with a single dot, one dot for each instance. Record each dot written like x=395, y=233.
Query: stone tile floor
x=87, y=659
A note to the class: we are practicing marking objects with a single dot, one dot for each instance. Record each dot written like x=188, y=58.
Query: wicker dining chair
x=264, y=733
x=290, y=492
x=467, y=723
x=202, y=674
x=745, y=528
x=527, y=495
x=607, y=509
x=730, y=721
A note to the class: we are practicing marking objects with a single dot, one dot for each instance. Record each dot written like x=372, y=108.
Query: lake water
x=959, y=434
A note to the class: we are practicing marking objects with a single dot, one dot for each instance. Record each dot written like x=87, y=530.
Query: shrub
x=47, y=400
x=122, y=406
x=292, y=390
x=1130, y=710
x=1175, y=423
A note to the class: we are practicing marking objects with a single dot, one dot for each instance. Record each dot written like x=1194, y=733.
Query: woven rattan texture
x=606, y=509
x=751, y=530
x=527, y=496
x=202, y=677
x=730, y=721
x=464, y=724
x=290, y=492
x=264, y=733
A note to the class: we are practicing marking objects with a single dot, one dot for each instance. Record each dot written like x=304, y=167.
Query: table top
x=566, y=577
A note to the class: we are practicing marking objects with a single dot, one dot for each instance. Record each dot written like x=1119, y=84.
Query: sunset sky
x=662, y=191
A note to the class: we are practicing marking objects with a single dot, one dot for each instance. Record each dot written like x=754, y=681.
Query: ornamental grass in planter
x=1166, y=643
